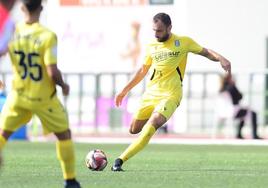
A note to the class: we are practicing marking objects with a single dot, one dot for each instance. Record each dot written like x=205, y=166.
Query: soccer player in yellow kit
x=33, y=53
x=168, y=57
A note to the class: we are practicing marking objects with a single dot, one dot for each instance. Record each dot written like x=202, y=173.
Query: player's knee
x=134, y=131
x=6, y=134
x=65, y=135
x=157, y=120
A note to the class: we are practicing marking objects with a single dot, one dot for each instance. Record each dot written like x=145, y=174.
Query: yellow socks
x=65, y=154
x=3, y=142
x=146, y=134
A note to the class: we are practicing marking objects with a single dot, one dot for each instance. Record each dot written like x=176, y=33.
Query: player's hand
x=119, y=98
x=226, y=65
x=65, y=89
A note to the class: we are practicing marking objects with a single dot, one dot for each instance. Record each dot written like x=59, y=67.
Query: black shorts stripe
x=152, y=77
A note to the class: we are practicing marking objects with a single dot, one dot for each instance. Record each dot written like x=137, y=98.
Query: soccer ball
x=96, y=160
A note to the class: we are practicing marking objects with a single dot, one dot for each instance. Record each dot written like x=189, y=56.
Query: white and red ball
x=96, y=160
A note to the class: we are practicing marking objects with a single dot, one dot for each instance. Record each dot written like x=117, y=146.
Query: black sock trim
x=118, y=161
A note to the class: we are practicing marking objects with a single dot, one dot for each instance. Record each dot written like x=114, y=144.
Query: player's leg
x=141, y=116
x=156, y=121
x=4, y=135
x=239, y=129
x=137, y=125
x=3, y=139
x=12, y=118
x=54, y=119
x=66, y=156
x=162, y=113
x=254, y=125
x=241, y=114
x=140, y=119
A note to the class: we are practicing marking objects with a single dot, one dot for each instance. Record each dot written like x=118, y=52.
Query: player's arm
x=55, y=74
x=214, y=56
x=140, y=74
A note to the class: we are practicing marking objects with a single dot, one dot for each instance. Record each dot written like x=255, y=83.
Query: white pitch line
x=115, y=140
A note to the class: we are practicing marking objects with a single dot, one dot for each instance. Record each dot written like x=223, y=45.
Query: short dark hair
x=163, y=17
x=32, y=5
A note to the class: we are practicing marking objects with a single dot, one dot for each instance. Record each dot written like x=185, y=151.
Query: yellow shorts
x=18, y=111
x=166, y=107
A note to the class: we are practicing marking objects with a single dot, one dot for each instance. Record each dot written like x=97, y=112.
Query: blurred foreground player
x=33, y=53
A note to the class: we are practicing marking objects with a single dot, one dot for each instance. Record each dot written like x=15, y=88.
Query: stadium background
x=92, y=34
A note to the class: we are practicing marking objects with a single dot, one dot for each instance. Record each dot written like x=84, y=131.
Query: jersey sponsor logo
x=163, y=55
x=177, y=43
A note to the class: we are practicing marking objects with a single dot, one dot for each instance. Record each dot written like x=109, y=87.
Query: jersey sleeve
x=193, y=46
x=50, y=52
x=148, y=58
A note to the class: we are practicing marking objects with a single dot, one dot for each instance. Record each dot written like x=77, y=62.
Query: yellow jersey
x=32, y=48
x=168, y=60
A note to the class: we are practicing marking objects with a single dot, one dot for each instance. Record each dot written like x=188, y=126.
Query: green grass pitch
x=34, y=165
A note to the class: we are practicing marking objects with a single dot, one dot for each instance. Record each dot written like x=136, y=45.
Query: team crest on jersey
x=177, y=43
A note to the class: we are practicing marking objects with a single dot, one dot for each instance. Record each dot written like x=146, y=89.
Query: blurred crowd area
x=92, y=110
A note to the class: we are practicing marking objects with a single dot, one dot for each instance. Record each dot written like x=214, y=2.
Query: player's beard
x=164, y=38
